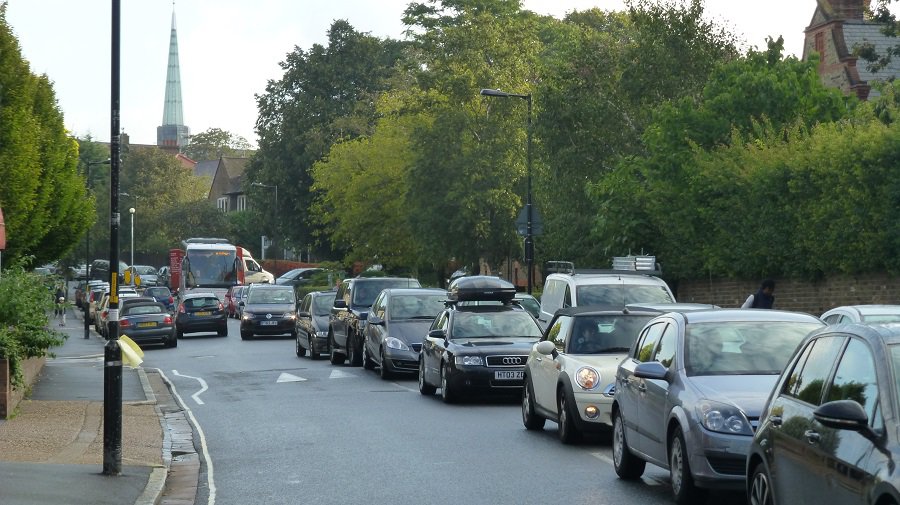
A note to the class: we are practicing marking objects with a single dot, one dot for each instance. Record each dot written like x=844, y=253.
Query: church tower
x=173, y=134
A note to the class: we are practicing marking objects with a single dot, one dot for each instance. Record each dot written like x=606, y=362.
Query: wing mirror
x=441, y=334
x=844, y=415
x=651, y=370
x=373, y=319
x=547, y=348
x=340, y=304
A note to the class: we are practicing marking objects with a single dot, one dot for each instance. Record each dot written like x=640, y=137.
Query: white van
x=602, y=288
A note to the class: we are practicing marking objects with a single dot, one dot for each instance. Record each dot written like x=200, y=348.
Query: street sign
x=537, y=225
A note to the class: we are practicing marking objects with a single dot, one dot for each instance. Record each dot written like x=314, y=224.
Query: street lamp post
x=529, y=237
x=275, y=214
x=87, y=258
x=131, y=277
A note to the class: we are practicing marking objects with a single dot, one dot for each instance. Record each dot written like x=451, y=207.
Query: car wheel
x=568, y=431
x=760, y=487
x=179, y=334
x=313, y=352
x=367, y=362
x=245, y=335
x=300, y=350
x=222, y=332
x=336, y=357
x=530, y=418
x=173, y=341
x=447, y=394
x=383, y=371
x=354, y=356
x=424, y=387
x=680, y=471
x=627, y=465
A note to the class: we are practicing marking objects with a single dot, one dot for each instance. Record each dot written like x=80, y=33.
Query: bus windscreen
x=213, y=268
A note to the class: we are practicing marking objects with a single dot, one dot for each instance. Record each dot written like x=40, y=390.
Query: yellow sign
x=127, y=276
x=132, y=355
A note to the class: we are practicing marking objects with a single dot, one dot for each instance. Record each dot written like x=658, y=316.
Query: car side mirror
x=241, y=303
x=373, y=319
x=363, y=316
x=651, y=370
x=844, y=415
x=547, y=348
x=441, y=334
x=303, y=313
x=340, y=304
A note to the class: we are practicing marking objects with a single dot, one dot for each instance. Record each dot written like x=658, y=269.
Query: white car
x=570, y=373
x=865, y=314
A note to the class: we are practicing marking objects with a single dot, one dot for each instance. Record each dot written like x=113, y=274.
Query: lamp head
x=131, y=210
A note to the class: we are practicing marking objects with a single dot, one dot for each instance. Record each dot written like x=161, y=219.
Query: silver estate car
x=689, y=396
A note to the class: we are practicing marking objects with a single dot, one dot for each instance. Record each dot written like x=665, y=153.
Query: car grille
x=416, y=347
x=727, y=466
x=509, y=361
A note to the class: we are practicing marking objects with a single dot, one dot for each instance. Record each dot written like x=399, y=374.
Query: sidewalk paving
x=51, y=451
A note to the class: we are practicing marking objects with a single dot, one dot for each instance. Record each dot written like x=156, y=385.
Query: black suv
x=479, y=342
x=351, y=307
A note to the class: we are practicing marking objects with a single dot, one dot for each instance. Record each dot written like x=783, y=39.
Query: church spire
x=173, y=133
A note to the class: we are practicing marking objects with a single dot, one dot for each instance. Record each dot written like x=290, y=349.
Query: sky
x=230, y=49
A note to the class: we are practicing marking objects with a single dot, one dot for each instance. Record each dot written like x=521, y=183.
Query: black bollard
x=86, y=305
x=112, y=408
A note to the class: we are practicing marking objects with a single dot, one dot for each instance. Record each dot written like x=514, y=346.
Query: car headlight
x=289, y=315
x=322, y=334
x=587, y=378
x=395, y=343
x=246, y=316
x=469, y=360
x=723, y=418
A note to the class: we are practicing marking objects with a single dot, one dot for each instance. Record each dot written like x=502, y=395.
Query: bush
x=24, y=322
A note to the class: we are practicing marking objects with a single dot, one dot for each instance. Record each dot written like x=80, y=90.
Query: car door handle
x=776, y=421
x=538, y=359
x=642, y=387
x=812, y=437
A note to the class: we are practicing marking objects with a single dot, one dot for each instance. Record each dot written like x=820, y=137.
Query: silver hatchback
x=689, y=395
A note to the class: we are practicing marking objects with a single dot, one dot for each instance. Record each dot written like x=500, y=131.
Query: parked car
x=312, y=323
x=395, y=327
x=149, y=275
x=570, y=374
x=529, y=303
x=348, y=315
x=830, y=432
x=231, y=300
x=691, y=390
x=866, y=314
x=608, y=288
x=147, y=322
x=269, y=310
x=162, y=295
x=297, y=276
x=201, y=312
x=100, y=270
x=477, y=347
x=125, y=296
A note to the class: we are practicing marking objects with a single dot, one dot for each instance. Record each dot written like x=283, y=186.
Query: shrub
x=25, y=332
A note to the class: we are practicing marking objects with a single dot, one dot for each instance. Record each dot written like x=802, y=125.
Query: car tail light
x=221, y=307
x=181, y=308
x=167, y=320
x=171, y=300
x=123, y=323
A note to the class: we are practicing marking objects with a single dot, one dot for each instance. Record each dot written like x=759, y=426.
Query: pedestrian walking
x=60, y=311
x=763, y=298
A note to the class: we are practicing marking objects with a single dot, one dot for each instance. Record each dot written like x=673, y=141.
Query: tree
x=42, y=194
x=215, y=143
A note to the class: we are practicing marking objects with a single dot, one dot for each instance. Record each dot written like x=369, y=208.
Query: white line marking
x=202, y=382
x=210, y=482
x=401, y=386
x=603, y=457
x=286, y=377
x=337, y=374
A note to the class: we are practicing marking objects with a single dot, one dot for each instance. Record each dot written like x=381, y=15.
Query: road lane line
x=603, y=457
x=210, y=481
x=195, y=396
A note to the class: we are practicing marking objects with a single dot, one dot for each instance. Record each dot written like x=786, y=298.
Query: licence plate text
x=268, y=323
x=509, y=375
x=203, y=313
x=148, y=324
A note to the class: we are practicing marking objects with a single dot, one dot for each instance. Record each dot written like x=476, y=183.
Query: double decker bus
x=214, y=265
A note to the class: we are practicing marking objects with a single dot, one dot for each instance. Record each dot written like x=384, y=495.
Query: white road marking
x=210, y=483
x=603, y=457
x=195, y=396
x=337, y=374
x=286, y=377
x=401, y=386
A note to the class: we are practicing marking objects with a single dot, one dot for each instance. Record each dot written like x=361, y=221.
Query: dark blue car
x=162, y=295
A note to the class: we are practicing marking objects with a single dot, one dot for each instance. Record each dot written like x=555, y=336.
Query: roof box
x=480, y=288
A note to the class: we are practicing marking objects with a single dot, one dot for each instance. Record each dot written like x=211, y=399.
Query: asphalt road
x=279, y=429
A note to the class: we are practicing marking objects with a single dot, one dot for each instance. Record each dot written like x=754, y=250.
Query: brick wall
x=811, y=297
x=9, y=397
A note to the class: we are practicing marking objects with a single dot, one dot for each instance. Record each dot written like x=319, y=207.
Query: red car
x=232, y=297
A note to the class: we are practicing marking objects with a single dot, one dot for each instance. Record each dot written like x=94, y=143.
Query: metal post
x=112, y=356
x=131, y=277
x=275, y=212
x=85, y=302
x=529, y=238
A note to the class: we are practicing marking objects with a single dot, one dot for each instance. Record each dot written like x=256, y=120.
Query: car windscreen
x=742, y=347
x=322, y=305
x=140, y=310
x=512, y=323
x=270, y=296
x=531, y=305
x=620, y=294
x=881, y=318
x=417, y=306
x=612, y=333
x=145, y=270
x=202, y=302
x=210, y=268
x=158, y=292
x=364, y=292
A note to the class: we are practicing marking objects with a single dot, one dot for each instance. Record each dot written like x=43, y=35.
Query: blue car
x=162, y=295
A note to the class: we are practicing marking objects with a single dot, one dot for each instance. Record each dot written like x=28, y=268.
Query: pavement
x=51, y=449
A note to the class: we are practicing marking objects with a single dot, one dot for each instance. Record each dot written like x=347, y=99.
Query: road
x=284, y=430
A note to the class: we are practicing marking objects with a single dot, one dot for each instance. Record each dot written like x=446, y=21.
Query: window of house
x=222, y=204
x=241, y=203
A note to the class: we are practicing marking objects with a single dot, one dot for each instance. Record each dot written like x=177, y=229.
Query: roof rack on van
x=205, y=240
x=561, y=267
x=636, y=263
x=639, y=264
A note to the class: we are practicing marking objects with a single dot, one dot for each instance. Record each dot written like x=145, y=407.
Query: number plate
x=509, y=375
x=268, y=323
x=203, y=313
x=148, y=324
